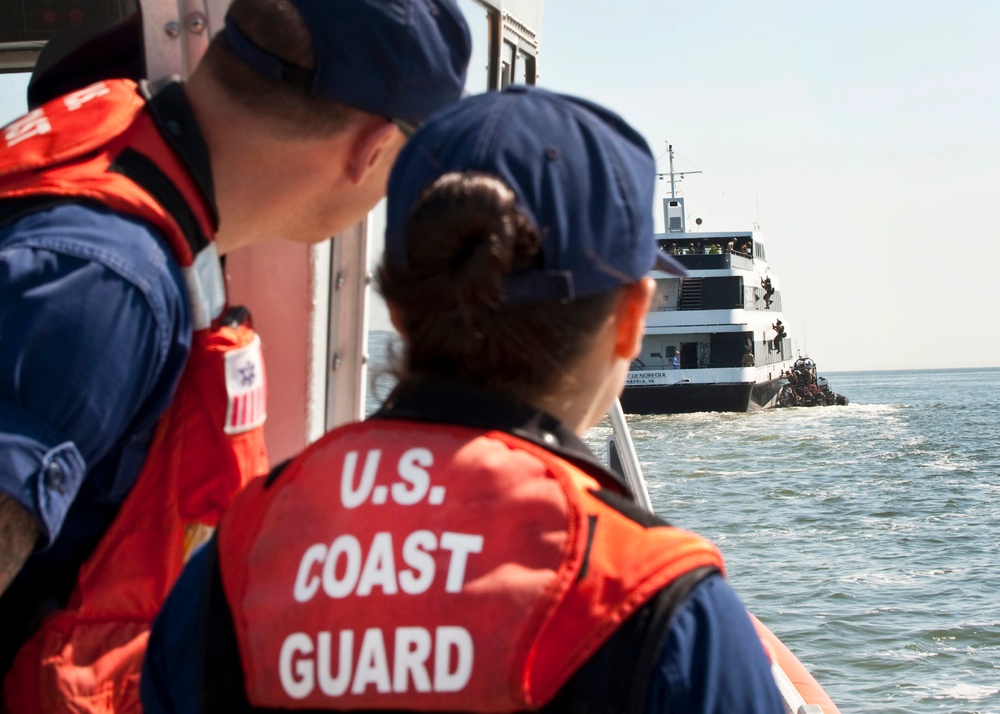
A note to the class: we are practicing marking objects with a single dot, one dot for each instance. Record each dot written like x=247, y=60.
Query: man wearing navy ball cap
x=131, y=393
x=462, y=550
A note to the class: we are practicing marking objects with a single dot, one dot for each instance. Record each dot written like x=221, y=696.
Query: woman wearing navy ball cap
x=462, y=550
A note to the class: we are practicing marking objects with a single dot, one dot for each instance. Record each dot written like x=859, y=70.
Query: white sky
x=864, y=137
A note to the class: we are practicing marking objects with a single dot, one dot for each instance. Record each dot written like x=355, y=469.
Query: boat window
x=510, y=46
x=517, y=66
x=517, y=55
x=478, y=18
x=722, y=293
x=508, y=57
x=728, y=348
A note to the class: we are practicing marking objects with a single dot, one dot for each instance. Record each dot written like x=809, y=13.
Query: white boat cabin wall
x=729, y=272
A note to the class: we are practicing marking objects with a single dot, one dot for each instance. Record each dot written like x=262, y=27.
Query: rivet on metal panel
x=340, y=280
x=196, y=23
x=173, y=29
x=336, y=361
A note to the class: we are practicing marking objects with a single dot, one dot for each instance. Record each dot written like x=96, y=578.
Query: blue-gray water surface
x=865, y=536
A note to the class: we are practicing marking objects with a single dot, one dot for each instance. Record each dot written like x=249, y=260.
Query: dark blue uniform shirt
x=95, y=331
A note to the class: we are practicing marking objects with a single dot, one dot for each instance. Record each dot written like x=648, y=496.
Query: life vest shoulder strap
x=101, y=143
x=141, y=171
x=632, y=556
x=147, y=175
x=616, y=678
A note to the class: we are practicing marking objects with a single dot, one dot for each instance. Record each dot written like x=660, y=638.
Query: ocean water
x=865, y=537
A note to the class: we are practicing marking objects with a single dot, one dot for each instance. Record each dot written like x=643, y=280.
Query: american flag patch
x=245, y=386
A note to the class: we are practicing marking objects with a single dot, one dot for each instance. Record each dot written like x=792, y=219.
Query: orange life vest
x=406, y=565
x=101, y=144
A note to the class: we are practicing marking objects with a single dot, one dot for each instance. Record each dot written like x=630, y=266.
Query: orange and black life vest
x=102, y=144
x=404, y=565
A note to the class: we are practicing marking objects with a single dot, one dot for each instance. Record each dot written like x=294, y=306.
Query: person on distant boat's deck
x=462, y=550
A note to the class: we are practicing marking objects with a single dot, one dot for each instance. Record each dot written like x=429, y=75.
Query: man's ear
x=630, y=314
x=373, y=137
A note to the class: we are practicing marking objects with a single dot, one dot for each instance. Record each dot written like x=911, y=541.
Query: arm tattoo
x=18, y=535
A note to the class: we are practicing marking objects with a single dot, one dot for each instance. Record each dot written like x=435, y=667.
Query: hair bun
x=467, y=228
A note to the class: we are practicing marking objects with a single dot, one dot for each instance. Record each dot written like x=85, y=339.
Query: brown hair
x=463, y=238
x=277, y=27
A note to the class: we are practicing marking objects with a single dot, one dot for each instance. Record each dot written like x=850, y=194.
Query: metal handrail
x=621, y=443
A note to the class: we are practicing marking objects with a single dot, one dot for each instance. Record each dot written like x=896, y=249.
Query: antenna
x=672, y=173
x=670, y=153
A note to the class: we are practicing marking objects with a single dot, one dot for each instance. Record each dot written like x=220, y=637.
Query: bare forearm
x=18, y=535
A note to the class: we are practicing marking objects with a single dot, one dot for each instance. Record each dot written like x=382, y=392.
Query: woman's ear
x=631, y=317
x=396, y=318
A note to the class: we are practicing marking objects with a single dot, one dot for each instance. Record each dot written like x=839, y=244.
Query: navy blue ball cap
x=584, y=176
x=402, y=59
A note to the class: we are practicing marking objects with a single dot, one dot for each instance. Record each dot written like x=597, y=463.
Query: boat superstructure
x=716, y=339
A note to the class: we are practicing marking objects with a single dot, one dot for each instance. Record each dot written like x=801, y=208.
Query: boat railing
x=712, y=261
x=738, y=247
x=689, y=297
x=637, y=365
x=765, y=353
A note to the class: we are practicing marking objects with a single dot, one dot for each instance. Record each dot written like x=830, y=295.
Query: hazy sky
x=864, y=137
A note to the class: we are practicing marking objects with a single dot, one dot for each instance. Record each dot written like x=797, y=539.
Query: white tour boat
x=715, y=339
